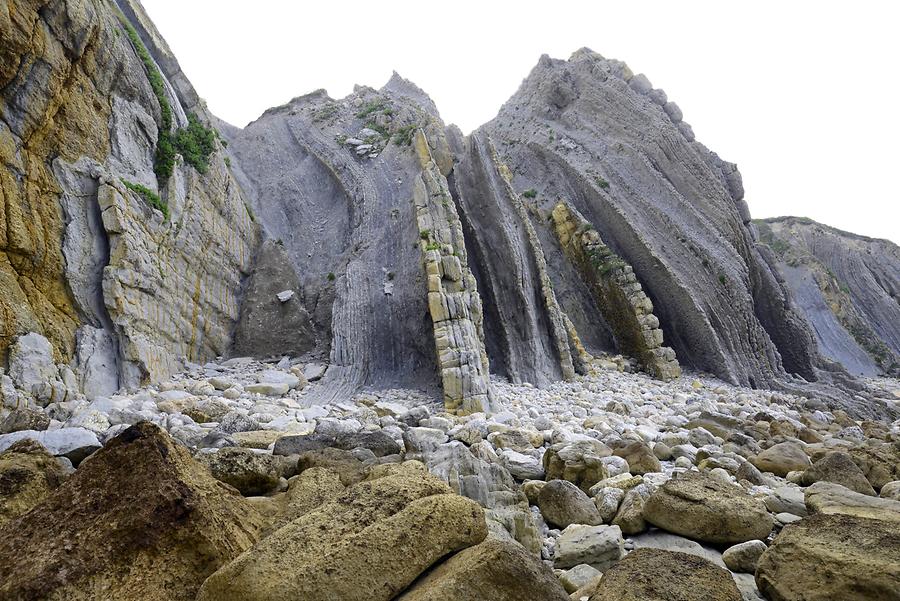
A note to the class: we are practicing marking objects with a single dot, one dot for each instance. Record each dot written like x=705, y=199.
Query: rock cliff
x=124, y=255
x=848, y=287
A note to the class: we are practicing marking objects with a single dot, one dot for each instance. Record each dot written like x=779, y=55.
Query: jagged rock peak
x=404, y=87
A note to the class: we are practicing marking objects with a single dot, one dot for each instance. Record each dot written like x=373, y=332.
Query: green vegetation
x=379, y=128
x=425, y=234
x=722, y=279
x=194, y=142
x=368, y=109
x=326, y=112
x=149, y=196
x=404, y=135
x=530, y=193
x=331, y=277
x=433, y=246
x=601, y=182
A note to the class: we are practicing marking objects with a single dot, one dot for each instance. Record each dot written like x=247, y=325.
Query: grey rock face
x=847, y=286
x=268, y=325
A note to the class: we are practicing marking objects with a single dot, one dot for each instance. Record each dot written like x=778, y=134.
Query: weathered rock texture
x=139, y=520
x=117, y=288
x=618, y=294
x=268, y=325
x=417, y=257
x=848, y=287
x=826, y=557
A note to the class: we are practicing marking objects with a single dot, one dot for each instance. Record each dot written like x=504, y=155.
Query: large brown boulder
x=782, y=458
x=827, y=497
x=657, y=575
x=831, y=557
x=495, y=570
x=369, y=544
x=28, y=473
x=701, y=507
x=140, y=520
x=578, y=462
x=562, y=503
x=838, y=467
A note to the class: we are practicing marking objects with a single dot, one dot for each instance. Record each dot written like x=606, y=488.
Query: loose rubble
x=575, y=476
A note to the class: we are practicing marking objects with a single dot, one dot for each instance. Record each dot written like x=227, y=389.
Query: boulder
x=24, y=419
x=349, y=469
x=597, y=546
x=32, y=368
x=578, y=462
x=630, y=516
x=139, y=520
x=369, y=544
x=28, y=473
x=640, y=458
x=562, y=503
x=701, y=507
x=830, y=557
x=891, y=490
x=578, y=577
x=830, y=498
x=73, y=443
x=521, y=466
x=306, y=492
x=252, y=473
x=655, y=575
x=607, y=500
x=743, y=557
x=787, y=499
x=838, y=467
x=879, y=462
x=782, y=458
x=495, y=570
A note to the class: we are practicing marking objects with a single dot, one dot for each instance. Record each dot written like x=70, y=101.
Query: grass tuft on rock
x=149, y=196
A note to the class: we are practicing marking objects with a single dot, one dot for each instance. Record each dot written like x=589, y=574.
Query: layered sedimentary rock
x=619, y=295
x=409, y=254
x=525, y=328
x=847, y=286
x=120, y=288
x=356, y=191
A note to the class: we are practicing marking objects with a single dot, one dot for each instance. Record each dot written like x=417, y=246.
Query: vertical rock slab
x=525, y=323
x=453, y=301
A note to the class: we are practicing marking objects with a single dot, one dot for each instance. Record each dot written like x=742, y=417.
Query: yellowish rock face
x=59, y=112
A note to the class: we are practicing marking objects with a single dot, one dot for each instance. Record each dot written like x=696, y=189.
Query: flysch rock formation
x=847, y=286
x=348, y=353
x=142, y=234
x=123, y=271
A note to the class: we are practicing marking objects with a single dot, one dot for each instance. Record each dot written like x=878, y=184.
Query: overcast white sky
x=801, y=95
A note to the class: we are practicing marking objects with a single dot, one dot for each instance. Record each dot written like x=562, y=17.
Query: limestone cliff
x=123, y=270
x=585, y=218
x=848, y=287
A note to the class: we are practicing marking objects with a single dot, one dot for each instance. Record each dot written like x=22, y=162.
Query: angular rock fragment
x=141, y=502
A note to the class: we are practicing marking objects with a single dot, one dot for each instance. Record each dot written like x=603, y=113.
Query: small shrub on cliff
x=404, y=135
x=196, y=143
x=530, y=193
x=149, y=196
